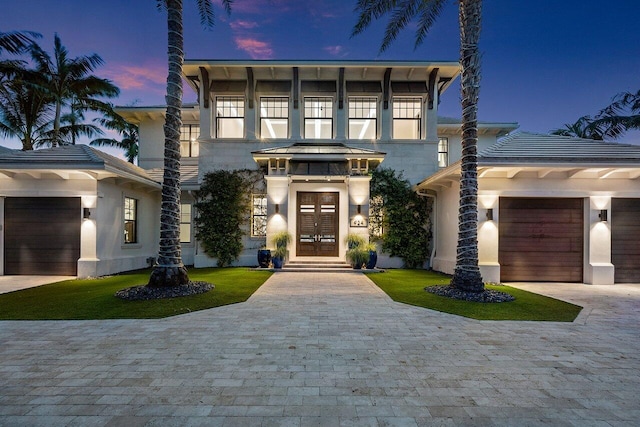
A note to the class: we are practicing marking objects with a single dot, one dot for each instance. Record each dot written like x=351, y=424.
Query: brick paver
x=313, y=349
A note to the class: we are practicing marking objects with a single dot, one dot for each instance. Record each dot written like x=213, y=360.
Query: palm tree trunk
x=170, y=270
x=467, y=275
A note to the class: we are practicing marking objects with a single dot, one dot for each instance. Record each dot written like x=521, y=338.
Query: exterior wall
x=151, y=134
x=597, y=194
x=112, y=254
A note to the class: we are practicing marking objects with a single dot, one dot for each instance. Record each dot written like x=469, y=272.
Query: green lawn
x=407, y=286
x=94, y=298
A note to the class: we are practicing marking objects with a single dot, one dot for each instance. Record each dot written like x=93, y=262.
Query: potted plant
x=264, y=257
x=358, y=256
x=372, y=248
x=354, y=240
x=281, y=240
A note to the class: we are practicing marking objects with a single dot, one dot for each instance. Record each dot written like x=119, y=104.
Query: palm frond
x=401, y=16
x=369, y=10
x=428, y=12
x=15, y=42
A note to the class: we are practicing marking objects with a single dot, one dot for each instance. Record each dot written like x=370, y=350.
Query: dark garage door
x=625, y=240
x=541, y=240
x=42, y=235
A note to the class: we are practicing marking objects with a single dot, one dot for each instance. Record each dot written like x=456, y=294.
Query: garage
x=625, y=235
x=42, y=235
x=541, y=239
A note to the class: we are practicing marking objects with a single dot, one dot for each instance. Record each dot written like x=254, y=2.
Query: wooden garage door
x=625, y=238
x=42, y=235
x=541, y=240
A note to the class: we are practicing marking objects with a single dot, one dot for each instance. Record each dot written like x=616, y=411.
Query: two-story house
x=550, y=208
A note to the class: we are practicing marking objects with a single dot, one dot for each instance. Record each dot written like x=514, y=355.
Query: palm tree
x=622, y=115
x=72, y=126
x=170, y=270
x=68, y=80
x=25, y=113
x=582, y=128
x=128, y=131
x=467, y=275
x=15, y=42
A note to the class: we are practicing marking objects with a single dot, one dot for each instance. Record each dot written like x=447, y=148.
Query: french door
x=317, y=227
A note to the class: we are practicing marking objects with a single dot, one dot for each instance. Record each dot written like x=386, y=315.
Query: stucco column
x=598, y=267
x=2, y=235
x=488, y=237
x=88, y=262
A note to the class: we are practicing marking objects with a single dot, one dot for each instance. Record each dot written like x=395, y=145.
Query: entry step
x=318, y=266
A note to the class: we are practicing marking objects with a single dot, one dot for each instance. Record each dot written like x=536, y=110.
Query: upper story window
x=229, y=117
x=189, y=140
x=274, y=117
x=407, y=117
x=318, y=118
x=362, y=117
x=185, y=223
x=443, y=152
x=130, y=220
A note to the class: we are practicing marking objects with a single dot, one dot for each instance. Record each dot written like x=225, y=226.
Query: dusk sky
x=545, y=63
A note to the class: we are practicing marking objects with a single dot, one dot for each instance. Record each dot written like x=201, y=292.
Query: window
x=258, y=215
x=230, y=117
x=274, y=117
x=359, y=166
x=362, y=118
x=185, y=223
x=318, y=118
x=189, y=135
x=130, y=220
x=443, y=152
x=407, y=113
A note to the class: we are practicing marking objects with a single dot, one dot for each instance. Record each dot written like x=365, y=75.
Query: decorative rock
x=144, y=293
x=487, y=295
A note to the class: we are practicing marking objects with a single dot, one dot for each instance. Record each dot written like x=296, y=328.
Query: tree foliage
x=405, y=217
x=223, y=206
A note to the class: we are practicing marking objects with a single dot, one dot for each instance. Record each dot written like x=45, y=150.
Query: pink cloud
x=243, y=25
x=128, y=77
x=255, y=48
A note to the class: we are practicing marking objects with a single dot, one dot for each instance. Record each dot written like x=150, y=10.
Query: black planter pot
x=264, y=258
x=373, y=259
x=277, y=262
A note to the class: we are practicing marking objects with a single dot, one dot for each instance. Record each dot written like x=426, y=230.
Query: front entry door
x=317, y=232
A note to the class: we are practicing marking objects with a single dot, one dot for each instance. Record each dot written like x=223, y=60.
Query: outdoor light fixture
x=489, y=214
x=359, y=209
x=277, y=208
x=603, y=215
x=86, y=213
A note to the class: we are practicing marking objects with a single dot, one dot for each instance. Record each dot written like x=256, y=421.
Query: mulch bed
x=485, y=296
x=144, y=293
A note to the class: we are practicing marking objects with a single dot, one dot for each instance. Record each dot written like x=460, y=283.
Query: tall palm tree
x=128, y=131
x=15, y=42
x=467, y=275
x=25, y=113
x=622, y=115
x=68, y=80
x=170, y=270
x=582, y=128
x=72, y=126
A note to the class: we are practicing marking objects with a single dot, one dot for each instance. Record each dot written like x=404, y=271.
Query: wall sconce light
x=277, y=208
x=490, y=214
x=86, y=213
x=359, y=209
x=603, y=215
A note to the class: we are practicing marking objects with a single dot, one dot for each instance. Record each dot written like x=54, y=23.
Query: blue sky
x=545, y=63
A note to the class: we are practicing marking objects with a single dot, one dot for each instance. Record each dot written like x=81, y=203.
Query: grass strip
x=407, y=286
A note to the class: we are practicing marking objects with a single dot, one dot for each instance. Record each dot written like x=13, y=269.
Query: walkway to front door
x=317, y=225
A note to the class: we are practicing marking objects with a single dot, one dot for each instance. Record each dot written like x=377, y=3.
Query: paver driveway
x=328, y=349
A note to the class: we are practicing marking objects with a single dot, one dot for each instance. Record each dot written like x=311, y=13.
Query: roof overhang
x=135, y=115
x=484, y=128
x=550, y=170
x=317, y=152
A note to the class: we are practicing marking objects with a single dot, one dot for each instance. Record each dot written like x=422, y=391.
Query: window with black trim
x=229, y=117
x=185, y=223
x=318, y=118
x=130, y=220
x=363, y=113
x=189, y=135
x=274, y=117
x=407, y=118
x=258, y=215
x=443, y=152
